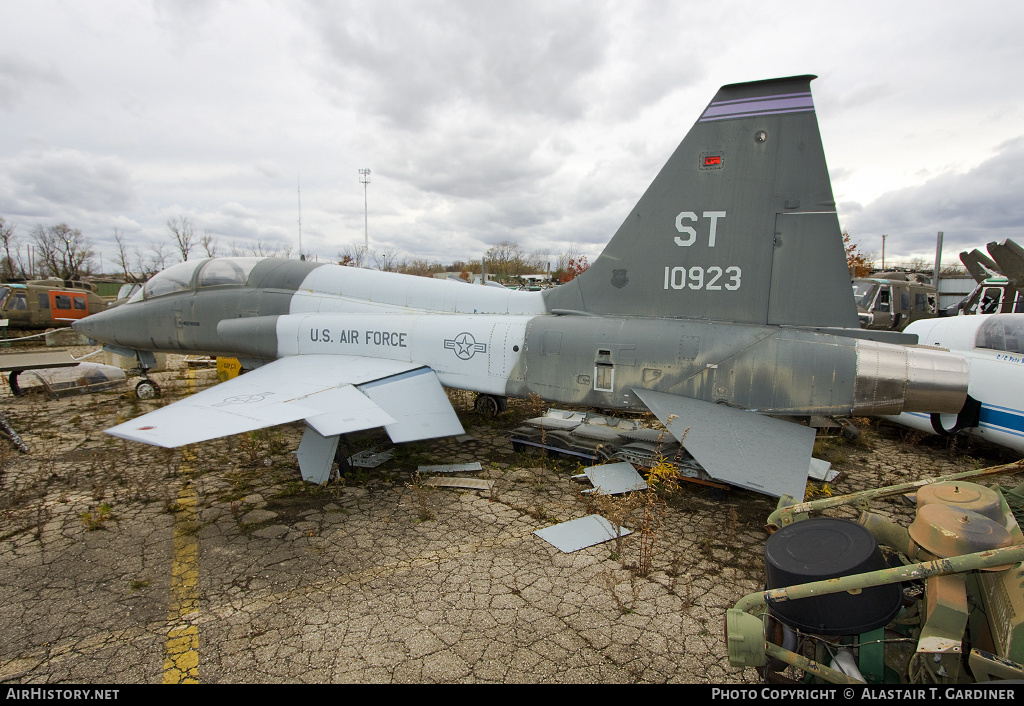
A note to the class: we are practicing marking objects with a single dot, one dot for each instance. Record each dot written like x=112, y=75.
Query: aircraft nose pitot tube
x=893, y=379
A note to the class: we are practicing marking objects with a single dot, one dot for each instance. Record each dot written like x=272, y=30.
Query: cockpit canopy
x=195, y=274
x=1001, y=333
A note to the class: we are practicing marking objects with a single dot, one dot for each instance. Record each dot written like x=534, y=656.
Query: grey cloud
x=19, y=76
x=971, y=208
x=519, y=58
x=57, y=181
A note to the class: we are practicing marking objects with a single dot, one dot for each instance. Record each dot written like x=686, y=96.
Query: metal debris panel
x=370, y=458
x=578, y=534
x=451, y=468
x=614, y=478
x=822, y=470
x=471, y=483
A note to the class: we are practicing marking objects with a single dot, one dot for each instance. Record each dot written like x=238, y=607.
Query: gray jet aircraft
x=723, y=297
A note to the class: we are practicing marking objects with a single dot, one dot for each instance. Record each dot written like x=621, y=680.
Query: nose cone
x=99, y=327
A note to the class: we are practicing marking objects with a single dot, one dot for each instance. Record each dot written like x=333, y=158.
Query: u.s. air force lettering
x=395, y=339
x=464, y=345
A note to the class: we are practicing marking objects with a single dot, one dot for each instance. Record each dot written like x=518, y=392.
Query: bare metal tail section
x=739, y=225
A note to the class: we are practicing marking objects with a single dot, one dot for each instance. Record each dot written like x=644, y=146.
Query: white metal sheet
x=614, y=478
x=578, y=534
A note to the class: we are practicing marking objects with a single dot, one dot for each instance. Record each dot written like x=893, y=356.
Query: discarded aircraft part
x=818, y=550
x=822, y=471
x=972, y=592
x=651, y=436
x=370, y=458
x=581, y=533
x=552, y=413
x=947, y=531
x=993, y=346
x=63, y=381
x=8, y=431
x=962, y=495
x=16, y=362
x=451, y=468
x=554, y=423
x=696, y=298
x=563, y=444
x=738, y=447
x=467, y=483
x=789, y=511
x=595, y=432
x=613, y=479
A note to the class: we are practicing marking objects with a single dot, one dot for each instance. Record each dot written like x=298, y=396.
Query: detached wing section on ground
x=334, y=394
x=741, y=448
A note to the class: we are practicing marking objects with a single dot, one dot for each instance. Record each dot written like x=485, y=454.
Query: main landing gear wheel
x=490, y=405
x=146, y=390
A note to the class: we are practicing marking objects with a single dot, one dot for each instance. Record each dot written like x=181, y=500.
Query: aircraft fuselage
x=505, y=343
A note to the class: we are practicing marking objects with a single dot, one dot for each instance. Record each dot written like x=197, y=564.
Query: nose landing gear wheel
x=146, y=390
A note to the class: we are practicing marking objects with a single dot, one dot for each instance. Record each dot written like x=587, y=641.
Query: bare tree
x=157, y=260
x=387, y=260
x=123, y=258
x=184, y=235
x=209, y=243
x=354, y=255
x=63, y=251
x=7, y=241
x=573, y=253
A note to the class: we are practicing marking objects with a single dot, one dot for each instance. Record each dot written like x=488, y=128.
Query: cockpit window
x=864, y=293
x=173, y=279
x=1001, y=334
x=228, y=270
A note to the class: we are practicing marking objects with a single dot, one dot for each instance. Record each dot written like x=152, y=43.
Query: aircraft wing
x=738, y=447
x=334, y=394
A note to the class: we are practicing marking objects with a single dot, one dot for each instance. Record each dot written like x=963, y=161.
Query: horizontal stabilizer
x=318, y=388
x=741, y=448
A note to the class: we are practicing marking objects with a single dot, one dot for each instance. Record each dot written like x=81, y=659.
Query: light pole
x=364, y=178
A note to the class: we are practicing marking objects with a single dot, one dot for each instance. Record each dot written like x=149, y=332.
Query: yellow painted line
x=181, y=661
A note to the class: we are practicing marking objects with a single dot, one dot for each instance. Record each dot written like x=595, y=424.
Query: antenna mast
x=298, y=181
x=364, y=178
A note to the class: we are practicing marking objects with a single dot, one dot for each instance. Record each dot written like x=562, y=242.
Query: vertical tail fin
x=740, y=225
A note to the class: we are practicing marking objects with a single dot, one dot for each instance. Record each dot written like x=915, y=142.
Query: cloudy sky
x=538, y=122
